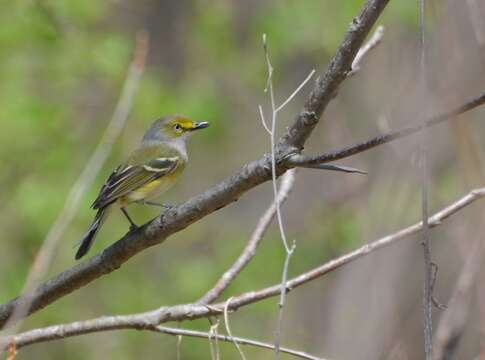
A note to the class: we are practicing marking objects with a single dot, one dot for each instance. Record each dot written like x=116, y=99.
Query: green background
x=62, y=66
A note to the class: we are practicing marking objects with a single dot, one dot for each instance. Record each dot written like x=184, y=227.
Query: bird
x=149, y=171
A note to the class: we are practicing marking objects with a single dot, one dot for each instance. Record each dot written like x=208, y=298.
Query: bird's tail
x=88, y=239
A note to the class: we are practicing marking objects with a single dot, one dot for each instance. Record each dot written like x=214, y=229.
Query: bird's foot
x=166, y=206
x=133, y=227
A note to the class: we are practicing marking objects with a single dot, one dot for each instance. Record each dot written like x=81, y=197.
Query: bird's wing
x=128, y=178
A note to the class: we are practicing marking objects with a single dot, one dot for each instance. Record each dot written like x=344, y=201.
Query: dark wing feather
x=126, y=179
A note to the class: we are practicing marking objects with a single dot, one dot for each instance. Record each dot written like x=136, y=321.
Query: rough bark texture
x=229, y=190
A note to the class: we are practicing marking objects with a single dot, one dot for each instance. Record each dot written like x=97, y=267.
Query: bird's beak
x=200, y=125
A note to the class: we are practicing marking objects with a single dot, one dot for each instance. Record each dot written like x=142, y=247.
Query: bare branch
x=214, y=341
x=239, y=340
x=289, y=251
x=263, y=121
x=183, y=215
x=228, y=328
x=86, y=178
x=297, y=90
x=229, y=190
x=375, y=40
x=426, y=241
x=334, y=167
x=296, y=160
x=249, y=250
x=149, y=320
x=281, y=303
x=327, y=84
x=85, y=327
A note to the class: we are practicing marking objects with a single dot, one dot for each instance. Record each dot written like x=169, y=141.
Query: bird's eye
x=177, y=127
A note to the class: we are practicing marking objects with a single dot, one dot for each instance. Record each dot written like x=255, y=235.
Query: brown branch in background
x=296, y=160
x=426, y=241
x=255, y=239
x=229, y=190
x=149, y=320
x=181, y=216
x=65, y=331
x=271, y=132
x=240, y=340
x=86, y=178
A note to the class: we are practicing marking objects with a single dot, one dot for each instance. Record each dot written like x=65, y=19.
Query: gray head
x=173, y=128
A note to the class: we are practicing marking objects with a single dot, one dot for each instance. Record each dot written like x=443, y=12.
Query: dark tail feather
x=89, y=237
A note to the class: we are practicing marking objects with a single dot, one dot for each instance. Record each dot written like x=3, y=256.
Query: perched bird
x=149, y=171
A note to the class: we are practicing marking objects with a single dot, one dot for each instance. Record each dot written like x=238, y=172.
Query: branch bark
x=250, y=249
x=117, y=123
x=298, y=160
x=221, y=195
x=151, y=319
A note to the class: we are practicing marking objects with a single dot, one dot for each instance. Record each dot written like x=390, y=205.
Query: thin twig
x=228, y=328
x=263, y=121
x=297, y=90
x=287, y=182
x=224, y=193
x=375, y=40
x=296, y=160
x=86, y=178
x=249, y=176
x=179, y=345
x=281, y=303
x=239, y=340
x=190, y=311
x=426, y=242
x=274, y=114
x=269, y=88
x=214, y=341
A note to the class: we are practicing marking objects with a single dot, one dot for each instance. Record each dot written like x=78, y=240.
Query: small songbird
x=150, y=170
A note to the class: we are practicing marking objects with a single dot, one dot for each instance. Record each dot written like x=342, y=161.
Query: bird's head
x=172, y=128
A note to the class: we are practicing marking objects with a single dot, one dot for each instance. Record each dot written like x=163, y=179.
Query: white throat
x=180, y=144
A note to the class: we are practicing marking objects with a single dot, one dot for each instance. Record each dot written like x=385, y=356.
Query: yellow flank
x=148, y=191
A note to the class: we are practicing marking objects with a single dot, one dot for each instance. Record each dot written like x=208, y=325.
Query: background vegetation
x=62, y=64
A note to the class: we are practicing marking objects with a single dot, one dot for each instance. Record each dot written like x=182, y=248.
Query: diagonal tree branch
x=32, y=337
x=151, y=319
x=45, y=253
x=297, y=160
x=180, y=217
x=250, y=249
x=327, y=84
x=221, y=195
x=230, y=338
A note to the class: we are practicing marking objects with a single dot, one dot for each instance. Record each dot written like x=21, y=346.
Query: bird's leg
x=153, y=203
x=133, y=226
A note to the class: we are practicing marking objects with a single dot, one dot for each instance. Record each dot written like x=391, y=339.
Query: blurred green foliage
x=62, y=65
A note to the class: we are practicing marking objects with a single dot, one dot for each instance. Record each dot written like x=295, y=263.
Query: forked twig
x=287, y=182
x=184, y=312
x=271, y=131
